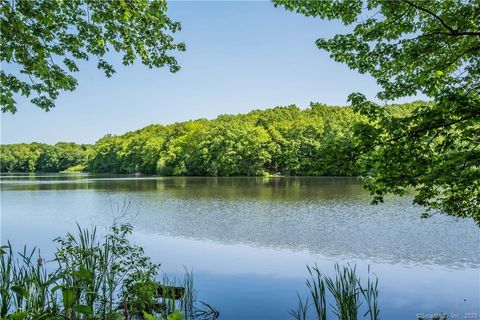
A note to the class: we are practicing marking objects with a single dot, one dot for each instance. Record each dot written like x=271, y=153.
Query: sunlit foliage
x=39, y=157
x=44, y=42
x=284, y=140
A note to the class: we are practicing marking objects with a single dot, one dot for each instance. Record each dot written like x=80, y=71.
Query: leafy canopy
x=282, y=140
x=410, y=47
x=41, y=43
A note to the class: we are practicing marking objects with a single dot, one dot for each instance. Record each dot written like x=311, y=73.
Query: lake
x=248, y=240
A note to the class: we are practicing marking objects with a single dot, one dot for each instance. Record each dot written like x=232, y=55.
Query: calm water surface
x=248, y=240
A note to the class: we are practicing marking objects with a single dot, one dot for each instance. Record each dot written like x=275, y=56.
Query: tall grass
x=316, y=286
x=346, y=292
x=96, y=277
x=6, y=279
x=25, y=283
x=301, y=312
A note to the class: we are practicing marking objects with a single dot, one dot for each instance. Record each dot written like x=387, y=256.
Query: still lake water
x=248, y=240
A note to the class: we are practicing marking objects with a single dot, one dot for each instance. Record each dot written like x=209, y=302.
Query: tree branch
x=432, y=14
x=453, y=32
x=415, y=132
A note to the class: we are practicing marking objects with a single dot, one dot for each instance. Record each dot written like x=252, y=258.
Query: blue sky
x=240, y=56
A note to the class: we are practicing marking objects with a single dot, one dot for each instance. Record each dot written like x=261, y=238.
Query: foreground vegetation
x=343, y=296
x=107, y=277
x=350, y=298
x=95, y=278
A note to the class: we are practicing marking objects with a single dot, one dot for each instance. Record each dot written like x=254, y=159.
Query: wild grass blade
x=316, y=286
x=301, y=312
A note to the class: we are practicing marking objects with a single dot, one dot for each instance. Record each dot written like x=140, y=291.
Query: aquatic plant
x=345, y=290
x=25, y=284
x=95, y=278
x=302, y=309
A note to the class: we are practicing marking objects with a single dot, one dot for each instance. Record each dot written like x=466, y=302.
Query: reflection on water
x=288, y=189
x=266, y=229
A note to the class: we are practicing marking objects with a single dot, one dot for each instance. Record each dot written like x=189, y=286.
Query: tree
x=282, y=140
x=41, y=43
x=41, y=157
x=237, y=149
x=410, y=47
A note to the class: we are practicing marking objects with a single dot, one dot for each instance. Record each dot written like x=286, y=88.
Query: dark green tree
x=414, y=46
x=42, y=41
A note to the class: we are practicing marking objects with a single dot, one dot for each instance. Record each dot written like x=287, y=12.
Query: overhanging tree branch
x=453, y=32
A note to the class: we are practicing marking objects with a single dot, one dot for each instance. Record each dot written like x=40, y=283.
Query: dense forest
x=40, y=157
x=319, y=140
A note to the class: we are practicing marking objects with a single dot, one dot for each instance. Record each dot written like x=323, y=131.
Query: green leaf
x=20, y=291
x=19, y=315
x=68, y=296
x=148, y=316
x=176, y=315
x=83, y=274
x=52, y=280
x=86, y=310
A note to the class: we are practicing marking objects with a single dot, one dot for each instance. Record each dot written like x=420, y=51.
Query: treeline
x=40, y=157
x=316, y=141
x=282, y=140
